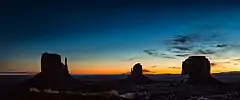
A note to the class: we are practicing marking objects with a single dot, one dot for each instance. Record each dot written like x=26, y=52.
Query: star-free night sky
x=110, y=36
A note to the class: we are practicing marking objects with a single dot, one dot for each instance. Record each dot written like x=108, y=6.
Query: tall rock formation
x=54, y=74
x=52, y=66
x=198, y=69
x=137, y=76
x=136, y=71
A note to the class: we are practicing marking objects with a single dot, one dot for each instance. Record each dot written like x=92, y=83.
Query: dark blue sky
x=115, y=30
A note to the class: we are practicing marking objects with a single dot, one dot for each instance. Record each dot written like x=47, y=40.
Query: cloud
x=182, y=48
x=235, y=64
x=153, y=66
x=214, y=36
x=175, y=67
x=18, y=73
x=214, y=64
x=130, y=59
x=167, y=56
x=196, y=43
x=147, y=71
x=222, y=45
x=237, y=59
x=191, y=44
x=182, y=55
x=220, y=64
x=154, y=53
x=180, y=51
x=176, y=51
x=151, y=52
x=184, y=45
x=181, y=39
x=144, y=71
x=200, y=51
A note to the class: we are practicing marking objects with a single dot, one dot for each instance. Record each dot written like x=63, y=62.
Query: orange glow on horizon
x=119, y=67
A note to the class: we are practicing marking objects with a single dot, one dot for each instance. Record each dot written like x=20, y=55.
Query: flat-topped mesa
x=54, y=75
x=198, y=68
x=51, y=64
x=137, y=76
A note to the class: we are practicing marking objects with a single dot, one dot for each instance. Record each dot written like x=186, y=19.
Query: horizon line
x=34, y=73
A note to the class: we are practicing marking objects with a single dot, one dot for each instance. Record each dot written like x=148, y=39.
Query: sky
x=110, y=36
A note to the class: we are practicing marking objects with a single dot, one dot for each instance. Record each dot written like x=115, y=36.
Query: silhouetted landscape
x=120, y=50
x=195, y=83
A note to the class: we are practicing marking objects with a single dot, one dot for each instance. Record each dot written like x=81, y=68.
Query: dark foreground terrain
x=112, y=87
x=54, y=82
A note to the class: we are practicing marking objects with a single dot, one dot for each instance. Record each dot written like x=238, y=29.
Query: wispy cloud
x=17, y=73
x=167, y=56
x=144, y=71
x=214, y=64
x=155, y=53
x=175, y=67
x=209, y=42
x=196, y=44
x=201, y=51
x=153, y=66
x=237, y=59
x=222, y=45
x=147, y=71
x=182, y=48
x=182, y=55
x=152, y=52
x=181, y=39
x=220, y=64
x=130, y=59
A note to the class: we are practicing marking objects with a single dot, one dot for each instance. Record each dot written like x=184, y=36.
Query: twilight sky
x=110, y=36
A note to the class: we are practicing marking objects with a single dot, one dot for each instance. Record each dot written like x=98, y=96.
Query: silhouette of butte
x=51, y=64
x=137, y=76
x=198, y=68
x=54, y=74
x=137, y=70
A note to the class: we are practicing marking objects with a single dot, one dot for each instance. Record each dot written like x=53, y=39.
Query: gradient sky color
x=110, y=36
